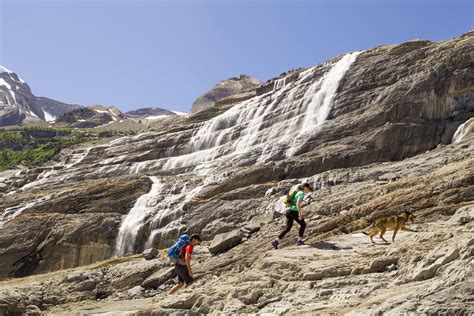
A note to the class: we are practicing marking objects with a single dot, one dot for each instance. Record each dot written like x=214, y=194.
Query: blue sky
x=141, y=53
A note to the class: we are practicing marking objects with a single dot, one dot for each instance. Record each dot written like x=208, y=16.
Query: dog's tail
x=363, y=232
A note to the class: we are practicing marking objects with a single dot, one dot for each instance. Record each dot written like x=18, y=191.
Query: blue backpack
x=175, y=250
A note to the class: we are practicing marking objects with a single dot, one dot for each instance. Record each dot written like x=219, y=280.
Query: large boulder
x=225, y=241
x=150, y=253
x=159, y=277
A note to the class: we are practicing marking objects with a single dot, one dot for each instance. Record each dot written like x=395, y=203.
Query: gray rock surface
x=225, y=241
x=159, y=277
x=150, y=253
x=93, y=116
x=143, y=113
x=224, y=89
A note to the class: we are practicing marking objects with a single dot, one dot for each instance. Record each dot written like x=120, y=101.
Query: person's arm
x=298, y=206
x=188, y=264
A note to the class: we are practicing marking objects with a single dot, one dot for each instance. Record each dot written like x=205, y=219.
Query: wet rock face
x=72, y=227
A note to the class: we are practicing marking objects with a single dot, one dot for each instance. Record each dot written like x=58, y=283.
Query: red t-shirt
x=186, y=249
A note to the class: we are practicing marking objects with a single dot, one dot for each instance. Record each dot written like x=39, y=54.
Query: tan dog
x=394, y=223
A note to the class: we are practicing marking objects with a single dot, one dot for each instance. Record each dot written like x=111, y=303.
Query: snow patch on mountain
x=156, y=117
x=4, y=83
x=9, y=87
x=179, y=113
x=48, y=117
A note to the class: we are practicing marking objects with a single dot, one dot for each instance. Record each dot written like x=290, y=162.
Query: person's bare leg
x=177, y=287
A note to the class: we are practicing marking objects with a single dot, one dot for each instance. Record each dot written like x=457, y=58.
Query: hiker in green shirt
x=295, y=213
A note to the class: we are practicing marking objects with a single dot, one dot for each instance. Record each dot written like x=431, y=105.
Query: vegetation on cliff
x=31, y=146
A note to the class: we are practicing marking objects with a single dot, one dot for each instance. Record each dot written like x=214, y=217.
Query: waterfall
x=77, y=157
x=266, y=125
x=42, y=179
x=167, y=219
x=135, y=219
x=462, y=131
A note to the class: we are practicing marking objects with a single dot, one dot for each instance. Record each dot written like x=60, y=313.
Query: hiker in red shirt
x=183, y=266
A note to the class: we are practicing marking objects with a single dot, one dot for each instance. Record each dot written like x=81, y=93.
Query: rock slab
x=225, y=241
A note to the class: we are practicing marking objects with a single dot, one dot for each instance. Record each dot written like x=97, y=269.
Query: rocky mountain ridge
x=241, y=87
x=149, y=113
x=372, y=131
x=91, y=116
x=18, y=104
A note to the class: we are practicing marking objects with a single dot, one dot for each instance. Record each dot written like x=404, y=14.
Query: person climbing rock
x=294, y=212
x=183, y=265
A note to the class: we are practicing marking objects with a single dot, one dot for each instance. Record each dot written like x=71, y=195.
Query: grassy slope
x=31, y=146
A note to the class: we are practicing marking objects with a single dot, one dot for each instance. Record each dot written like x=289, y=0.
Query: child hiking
x=294, y=213
x=181, y=253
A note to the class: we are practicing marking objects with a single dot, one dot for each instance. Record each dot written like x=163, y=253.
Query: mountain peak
x=18, y=104
x=224, y=89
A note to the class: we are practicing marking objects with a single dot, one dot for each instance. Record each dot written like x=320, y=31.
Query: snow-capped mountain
x=18, y=104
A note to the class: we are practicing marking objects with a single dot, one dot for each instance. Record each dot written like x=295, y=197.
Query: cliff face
x=371, y=130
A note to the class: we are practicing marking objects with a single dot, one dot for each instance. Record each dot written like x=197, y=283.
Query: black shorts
x=183, y=274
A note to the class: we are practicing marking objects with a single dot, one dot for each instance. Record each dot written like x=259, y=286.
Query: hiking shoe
x=275, y=244
x=299, y=243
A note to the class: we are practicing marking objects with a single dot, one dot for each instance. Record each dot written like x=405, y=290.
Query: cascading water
x=77, y=157
x=262, y=125
x=462, y=131
x=168, y=217
x=133, y=222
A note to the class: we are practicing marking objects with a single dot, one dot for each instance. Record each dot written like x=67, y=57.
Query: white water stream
x=133, y=222
x=462, y=131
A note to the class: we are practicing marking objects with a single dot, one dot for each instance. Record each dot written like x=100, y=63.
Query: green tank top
x=299, y=194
